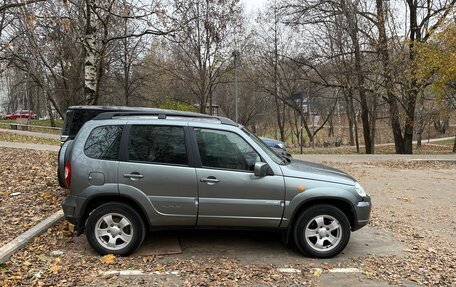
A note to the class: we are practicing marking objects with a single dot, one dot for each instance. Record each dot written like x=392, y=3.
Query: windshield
x=276, y=158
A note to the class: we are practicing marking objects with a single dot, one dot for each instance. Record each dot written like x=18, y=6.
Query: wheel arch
x=343, y=205
x=96, y=201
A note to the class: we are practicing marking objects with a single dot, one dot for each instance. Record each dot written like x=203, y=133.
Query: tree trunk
x=373, y=124
x=90, y=64
x=418, y=140
x=356, y=135
x=419, y=127
x=353, y=31
x=350, y=116
x=280, y=119
x=51, y=114
x=331, y=128
x=355, y=123
x=284, y=106
x=392, y=100
x=410, y=105
x=409, y=122
x=454, y=145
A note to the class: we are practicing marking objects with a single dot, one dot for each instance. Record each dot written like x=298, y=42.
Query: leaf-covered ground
x=29, y=191
x=415, y=201
x=35, y=266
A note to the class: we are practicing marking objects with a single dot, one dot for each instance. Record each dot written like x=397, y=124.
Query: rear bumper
x=71, y=206
x=363, y=212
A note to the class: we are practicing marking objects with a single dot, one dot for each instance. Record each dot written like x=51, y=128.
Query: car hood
x=314, y=171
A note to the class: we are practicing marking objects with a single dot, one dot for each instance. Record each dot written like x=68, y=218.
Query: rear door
x=157, y=167
x=229, y=192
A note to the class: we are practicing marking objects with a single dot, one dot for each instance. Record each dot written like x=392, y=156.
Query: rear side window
x=104, y=142
x=157, y=144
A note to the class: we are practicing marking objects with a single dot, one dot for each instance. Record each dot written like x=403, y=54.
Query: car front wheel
x=115, y=228
x=322, y=231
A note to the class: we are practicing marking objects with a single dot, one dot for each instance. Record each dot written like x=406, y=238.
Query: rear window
x=75, y=119
x=104, y=142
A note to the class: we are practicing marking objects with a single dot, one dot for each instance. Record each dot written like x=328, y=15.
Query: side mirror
x=262, y=169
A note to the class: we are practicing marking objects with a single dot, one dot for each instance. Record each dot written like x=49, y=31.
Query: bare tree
x=201, y=50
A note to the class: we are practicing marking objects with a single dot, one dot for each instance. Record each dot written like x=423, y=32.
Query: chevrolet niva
x=133, y=172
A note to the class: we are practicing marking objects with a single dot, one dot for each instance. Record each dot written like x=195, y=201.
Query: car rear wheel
x=322, y=231
x=115, y=228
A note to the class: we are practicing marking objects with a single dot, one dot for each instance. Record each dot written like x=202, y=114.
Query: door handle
x=210, y=180
x=133, y=176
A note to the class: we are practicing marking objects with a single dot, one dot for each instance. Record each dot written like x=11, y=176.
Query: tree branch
x=18, y=4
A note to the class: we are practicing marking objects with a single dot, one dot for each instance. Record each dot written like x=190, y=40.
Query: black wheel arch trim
x=321, y=200
x=84, y=213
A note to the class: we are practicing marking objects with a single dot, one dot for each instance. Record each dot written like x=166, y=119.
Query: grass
x=44, y=123
x=444, y=142
x=12, y=137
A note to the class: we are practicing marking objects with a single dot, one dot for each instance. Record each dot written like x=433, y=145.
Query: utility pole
x=236, y=54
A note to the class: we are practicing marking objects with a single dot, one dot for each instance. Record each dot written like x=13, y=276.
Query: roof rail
x=163, y=114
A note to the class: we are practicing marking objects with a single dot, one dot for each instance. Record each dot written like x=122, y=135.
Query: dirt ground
x=409, y=241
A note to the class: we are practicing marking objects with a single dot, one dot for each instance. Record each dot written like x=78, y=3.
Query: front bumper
x=363, y=212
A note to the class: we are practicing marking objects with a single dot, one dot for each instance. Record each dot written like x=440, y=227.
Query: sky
x=252, y=5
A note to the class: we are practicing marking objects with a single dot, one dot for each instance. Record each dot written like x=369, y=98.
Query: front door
x=229, y=192
x=157, y=168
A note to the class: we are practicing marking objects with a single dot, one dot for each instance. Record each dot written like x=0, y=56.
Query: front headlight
x=360, y=190
x=281, y=145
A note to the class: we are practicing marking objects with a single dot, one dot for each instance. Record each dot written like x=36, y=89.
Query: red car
x=20, y=114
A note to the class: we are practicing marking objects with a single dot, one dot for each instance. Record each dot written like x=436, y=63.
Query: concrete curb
x=17, y=243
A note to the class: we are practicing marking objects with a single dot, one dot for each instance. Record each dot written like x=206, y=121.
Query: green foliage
x=176, y=105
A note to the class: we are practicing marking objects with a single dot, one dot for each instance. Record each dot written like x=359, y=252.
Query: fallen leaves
x=426, y=260
x=404, y=199
x=56, y=267
x=108, y=259
x=29, y=191
x=317, y=272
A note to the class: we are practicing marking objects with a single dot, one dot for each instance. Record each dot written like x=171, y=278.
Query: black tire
x=135, y=231
x=319, y=245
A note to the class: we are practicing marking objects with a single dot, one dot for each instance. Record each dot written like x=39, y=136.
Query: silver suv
x=130, y=173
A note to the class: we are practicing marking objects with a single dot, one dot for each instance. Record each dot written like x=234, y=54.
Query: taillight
x=67, y=174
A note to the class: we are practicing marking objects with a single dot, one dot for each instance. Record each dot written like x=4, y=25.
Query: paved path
x=32, y=134
x=34, y=146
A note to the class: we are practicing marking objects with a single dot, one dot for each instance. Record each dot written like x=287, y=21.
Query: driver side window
x=227, y=150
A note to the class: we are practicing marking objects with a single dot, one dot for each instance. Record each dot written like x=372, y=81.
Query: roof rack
x=163, y=114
